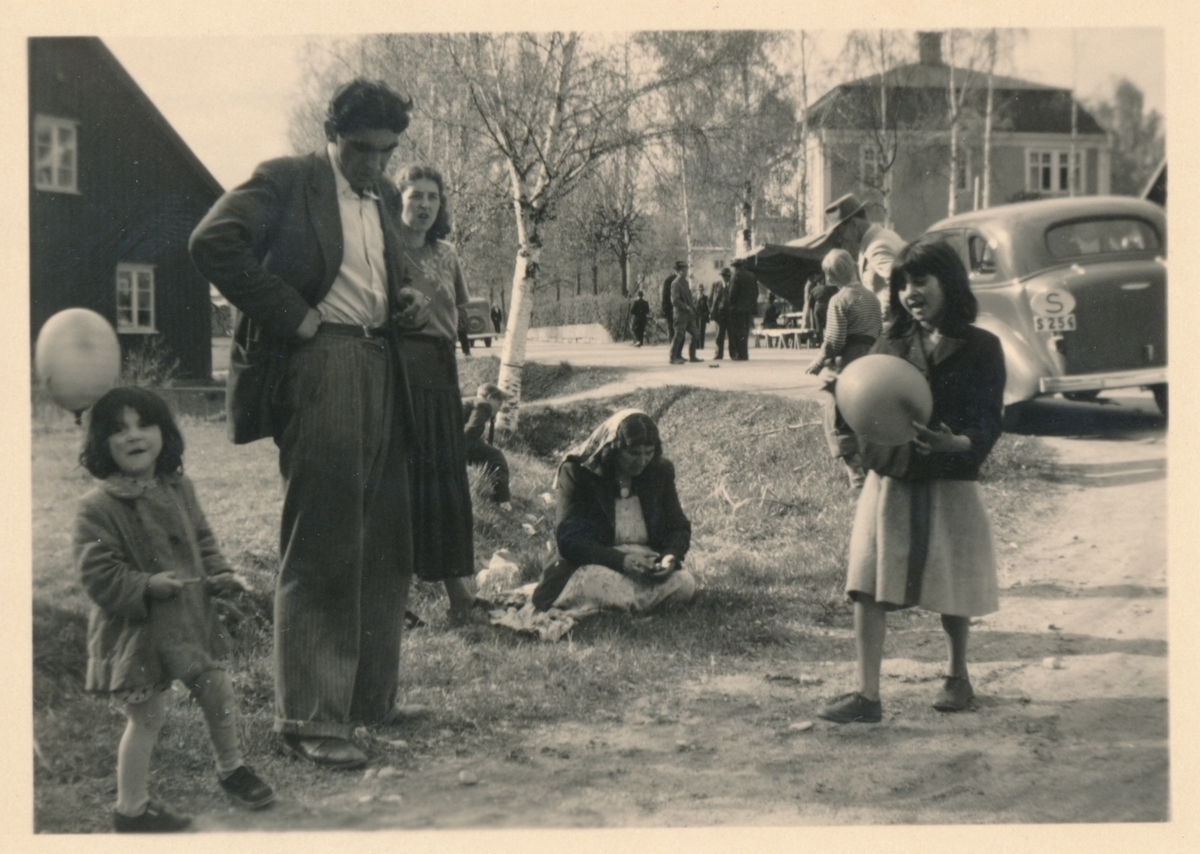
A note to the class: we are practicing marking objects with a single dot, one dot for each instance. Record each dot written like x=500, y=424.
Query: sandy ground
x=1071, y=673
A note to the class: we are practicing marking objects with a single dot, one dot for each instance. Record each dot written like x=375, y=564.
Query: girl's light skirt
x=923, y=543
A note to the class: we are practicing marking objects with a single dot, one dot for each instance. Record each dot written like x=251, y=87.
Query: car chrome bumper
x=1095, y=382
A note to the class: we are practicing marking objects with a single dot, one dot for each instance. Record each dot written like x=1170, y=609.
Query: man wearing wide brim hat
x=687, y=317
x=873, y=246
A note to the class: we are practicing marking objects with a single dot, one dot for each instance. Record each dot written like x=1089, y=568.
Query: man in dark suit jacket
x=743, y=307
x=720, y=310
x=306, y=251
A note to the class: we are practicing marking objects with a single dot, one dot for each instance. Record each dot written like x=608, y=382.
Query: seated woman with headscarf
x=621, y=533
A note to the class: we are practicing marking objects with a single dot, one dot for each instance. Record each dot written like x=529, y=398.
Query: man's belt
x=351, y=330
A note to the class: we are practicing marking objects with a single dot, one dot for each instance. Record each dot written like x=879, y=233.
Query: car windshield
x=1100, y=236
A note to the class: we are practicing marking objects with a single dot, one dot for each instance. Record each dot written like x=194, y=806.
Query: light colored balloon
x=880, y=396
x=77, y=358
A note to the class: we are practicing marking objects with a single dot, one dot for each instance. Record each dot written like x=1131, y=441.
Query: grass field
x=771, y=517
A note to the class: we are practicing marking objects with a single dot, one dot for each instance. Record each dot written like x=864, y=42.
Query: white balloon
x=77, y=358
x=881, y=395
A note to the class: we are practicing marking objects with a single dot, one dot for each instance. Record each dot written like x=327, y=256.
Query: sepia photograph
x=634, y=426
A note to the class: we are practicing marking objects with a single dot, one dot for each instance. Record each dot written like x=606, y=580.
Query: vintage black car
x=479, y=320
x=1076, y=290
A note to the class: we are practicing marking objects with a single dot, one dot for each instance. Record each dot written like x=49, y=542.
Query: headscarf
x=592, y=451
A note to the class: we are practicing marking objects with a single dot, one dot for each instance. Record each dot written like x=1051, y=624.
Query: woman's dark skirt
x=442, y=522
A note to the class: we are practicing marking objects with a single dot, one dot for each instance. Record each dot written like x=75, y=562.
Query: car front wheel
x=1012, y=416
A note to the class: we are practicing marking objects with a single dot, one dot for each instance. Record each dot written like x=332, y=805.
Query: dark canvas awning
x=783, y=268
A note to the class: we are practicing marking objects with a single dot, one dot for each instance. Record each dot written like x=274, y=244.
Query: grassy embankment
x=771, y=517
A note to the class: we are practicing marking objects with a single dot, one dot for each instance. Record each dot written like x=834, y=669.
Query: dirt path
x=1071, y=724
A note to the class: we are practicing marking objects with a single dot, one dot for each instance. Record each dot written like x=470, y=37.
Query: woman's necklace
x=625, y=486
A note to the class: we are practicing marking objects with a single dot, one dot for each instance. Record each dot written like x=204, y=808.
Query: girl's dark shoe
x=247, y=789
x=956, y=695
x=154, y=819
x=852, y=708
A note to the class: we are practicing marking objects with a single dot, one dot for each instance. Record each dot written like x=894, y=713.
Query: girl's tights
x=214, y=692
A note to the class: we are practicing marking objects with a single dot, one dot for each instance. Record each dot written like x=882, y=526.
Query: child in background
x=479, y=414
x=150, y=563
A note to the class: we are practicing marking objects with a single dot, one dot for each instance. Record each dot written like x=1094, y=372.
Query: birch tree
x=966, y=47
x=732, y=126
x=549, y=112
x=881, y=54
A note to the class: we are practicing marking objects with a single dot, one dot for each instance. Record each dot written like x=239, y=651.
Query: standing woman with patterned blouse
x=443, y=528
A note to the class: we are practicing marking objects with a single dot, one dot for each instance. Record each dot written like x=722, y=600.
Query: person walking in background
x=921, y=535
x=667, y=309
x=817, y=294
x=464, y=336
x=497, y=318
x=702, y=312
x=150, y=565
x=443, y=522
x=639, y=313
x=479, y=416
x=771, y=313
x=308, y=253
x=743, y=308
x=720, y=311
x=686, y=316
x=854, y=325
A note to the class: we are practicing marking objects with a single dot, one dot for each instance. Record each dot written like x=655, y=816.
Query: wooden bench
x=784, y=337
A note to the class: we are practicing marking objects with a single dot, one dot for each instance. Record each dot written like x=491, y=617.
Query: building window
x=55, y=154
x=872, y=167
x=135, y=298
x=1052, y=172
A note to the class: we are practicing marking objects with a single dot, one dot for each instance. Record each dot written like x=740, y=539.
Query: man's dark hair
x=369, y=104
x=928, y=256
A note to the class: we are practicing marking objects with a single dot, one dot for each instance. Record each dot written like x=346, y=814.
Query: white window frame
x=55, y=158
x=130, y=278
x=1047, y=171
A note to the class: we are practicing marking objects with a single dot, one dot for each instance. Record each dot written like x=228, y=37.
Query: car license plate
x=1060, y=323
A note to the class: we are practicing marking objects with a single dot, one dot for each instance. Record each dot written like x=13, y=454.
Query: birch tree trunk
x=687, y=221
x=952, y=202
x=746, y=221
x=802, y=191
x=987, y=118
x=512, y=355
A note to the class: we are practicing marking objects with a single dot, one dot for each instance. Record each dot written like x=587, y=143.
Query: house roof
x=105, y=56
x=919, y=90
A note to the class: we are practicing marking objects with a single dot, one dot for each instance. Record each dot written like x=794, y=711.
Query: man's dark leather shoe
x=326, y=751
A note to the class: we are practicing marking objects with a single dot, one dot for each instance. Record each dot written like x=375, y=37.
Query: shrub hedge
x=609, y=310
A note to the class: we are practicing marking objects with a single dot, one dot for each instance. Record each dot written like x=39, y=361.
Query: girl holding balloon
x=921, y=536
